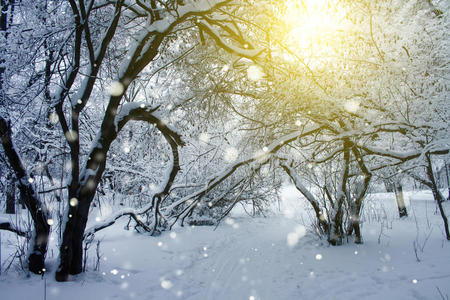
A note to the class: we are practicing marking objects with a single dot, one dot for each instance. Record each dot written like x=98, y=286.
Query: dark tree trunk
x=337, y=231
x=448, y=181
x=71, y=250
x=31, y=200
x=437, y=195
x=356, y=203
x=357, y=229
x=336, y=234
x=36, y=258
x=11, y=196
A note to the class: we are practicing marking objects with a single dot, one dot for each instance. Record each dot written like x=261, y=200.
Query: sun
x=312, y=27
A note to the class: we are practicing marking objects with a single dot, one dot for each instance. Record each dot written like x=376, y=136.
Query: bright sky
x=312, y=25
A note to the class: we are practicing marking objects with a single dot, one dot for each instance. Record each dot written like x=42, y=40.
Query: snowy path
x=248, y=258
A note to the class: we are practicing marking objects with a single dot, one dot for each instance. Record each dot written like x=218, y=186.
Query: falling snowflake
x=351, y=106
x=293, y=237
x=318, y=256
x=53, y=117
x=114, y=271
x=68, y=166
x=204, y=137
x=229, y=221
x=73, y=202
x=166, y=284
x=116, y=88
x=71, y=136
x=231, y=154
x=255, y=73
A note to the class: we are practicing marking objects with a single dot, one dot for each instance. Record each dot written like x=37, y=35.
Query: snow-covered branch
x=403, y=156
x=139, y=111
x=259, y=158
x=8, y=226
x=245, y=50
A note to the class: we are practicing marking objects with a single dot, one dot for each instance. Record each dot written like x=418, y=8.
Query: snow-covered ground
x=261, y=258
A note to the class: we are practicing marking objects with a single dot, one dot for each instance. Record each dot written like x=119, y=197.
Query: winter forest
x=224, y=149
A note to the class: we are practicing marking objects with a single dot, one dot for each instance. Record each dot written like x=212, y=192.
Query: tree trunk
x=448, y=181
x=400, y=200
x=11, y=196
x=38, y=212
x=357, y=229
x=437, y=195
x=336, y=233
x=71, y=250
x=36, y=257
x=354, y=226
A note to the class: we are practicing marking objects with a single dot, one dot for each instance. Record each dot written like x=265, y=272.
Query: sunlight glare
x=312, y=26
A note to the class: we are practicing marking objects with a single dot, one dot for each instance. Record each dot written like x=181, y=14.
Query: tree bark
x=10, y=195
x=448, y=181
x=38, y=251
x=437, y=194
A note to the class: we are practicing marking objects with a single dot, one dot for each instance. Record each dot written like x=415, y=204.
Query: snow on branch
x=303, y=190
x=260, y=158
x=8, y=226
x=139, y=111
x=96, y=58
x=403, y=156
x=111, y=220
x=297, y=182
x=246, y=51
